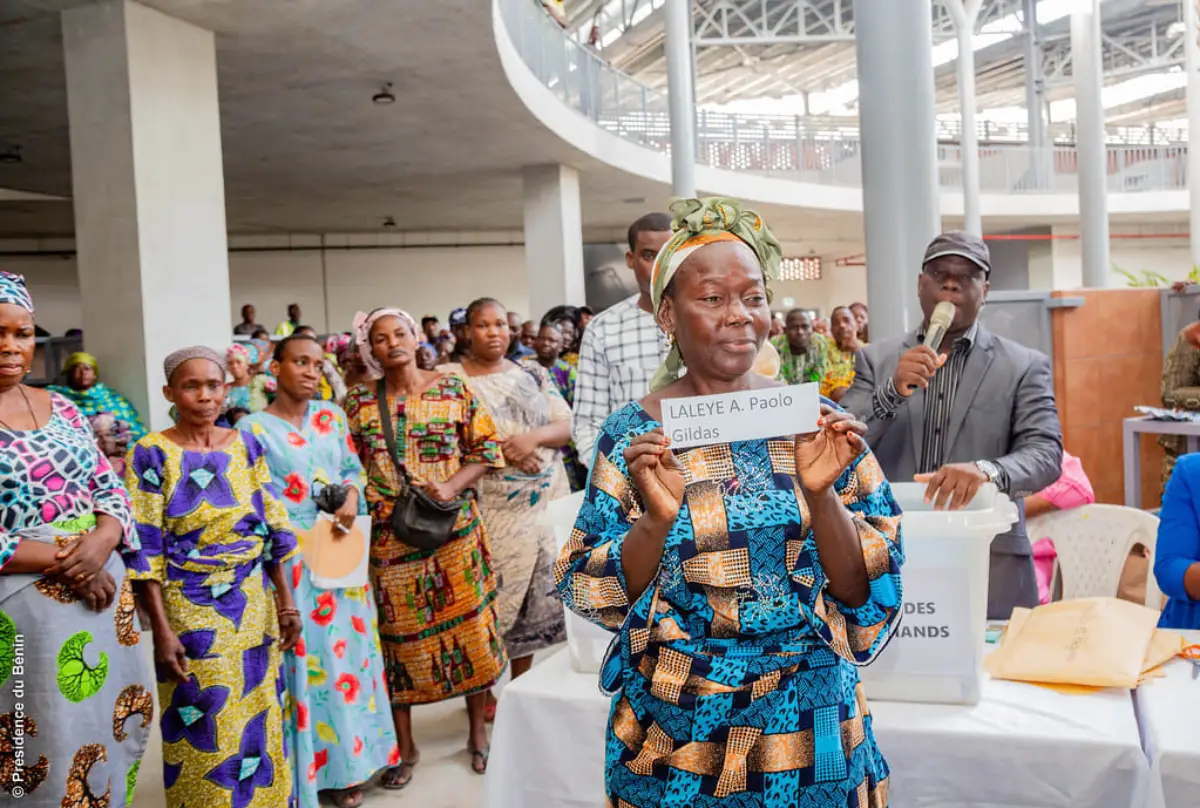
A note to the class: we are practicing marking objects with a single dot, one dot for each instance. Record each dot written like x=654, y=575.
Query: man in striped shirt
x=978, y=409
x=622, y=346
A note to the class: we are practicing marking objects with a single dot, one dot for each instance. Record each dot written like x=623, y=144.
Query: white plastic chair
x=1093, y=542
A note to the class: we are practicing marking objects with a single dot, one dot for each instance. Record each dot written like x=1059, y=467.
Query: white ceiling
x=307, y=151
x=305, y=148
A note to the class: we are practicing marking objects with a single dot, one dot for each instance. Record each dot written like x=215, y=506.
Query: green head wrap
x=80, y=358
x=698, y=223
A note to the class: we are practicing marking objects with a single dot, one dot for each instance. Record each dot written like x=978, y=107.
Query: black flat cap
x=963, y=244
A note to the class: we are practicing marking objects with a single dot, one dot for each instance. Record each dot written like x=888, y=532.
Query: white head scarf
x=362, y=333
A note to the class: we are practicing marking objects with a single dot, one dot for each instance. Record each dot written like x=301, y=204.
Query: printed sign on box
x=747, y=415
x=934, y=638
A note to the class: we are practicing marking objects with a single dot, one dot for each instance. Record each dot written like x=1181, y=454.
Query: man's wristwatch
x=989, y=469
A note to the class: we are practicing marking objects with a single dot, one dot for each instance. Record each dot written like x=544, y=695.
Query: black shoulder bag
x=418, y=520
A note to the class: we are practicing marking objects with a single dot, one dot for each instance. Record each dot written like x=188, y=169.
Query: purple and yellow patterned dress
x=734, y=674
x=81, y=681
x=210, y=524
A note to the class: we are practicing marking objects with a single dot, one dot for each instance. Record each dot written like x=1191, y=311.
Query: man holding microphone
x=954, y=406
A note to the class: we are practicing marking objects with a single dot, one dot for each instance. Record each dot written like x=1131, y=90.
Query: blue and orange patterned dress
x=339, y=721
x=734, y=674
x=211, y=524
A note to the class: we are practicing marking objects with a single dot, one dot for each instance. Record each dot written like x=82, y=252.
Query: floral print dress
x=210, y=524
x=338, y=719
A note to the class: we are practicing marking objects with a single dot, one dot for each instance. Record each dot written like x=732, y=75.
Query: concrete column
x=965, y=14
x=1093, y=154
x=1056, y=264
x=553, y=238
x=149, y=192
x=681, y=97
x=1191, y=42
x=1035, y=96
x=900, y=185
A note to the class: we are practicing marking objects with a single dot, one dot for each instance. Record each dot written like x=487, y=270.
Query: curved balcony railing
x=814, y=150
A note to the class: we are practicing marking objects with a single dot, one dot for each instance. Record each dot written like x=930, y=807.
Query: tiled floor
x=442, y=780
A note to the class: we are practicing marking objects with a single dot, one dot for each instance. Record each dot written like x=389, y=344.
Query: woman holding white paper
x=747, y=579
x=338, y=724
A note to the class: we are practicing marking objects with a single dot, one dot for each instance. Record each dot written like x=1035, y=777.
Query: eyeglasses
x=940, y=274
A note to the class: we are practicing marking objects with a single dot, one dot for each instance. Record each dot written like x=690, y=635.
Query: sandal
x=349, y=797
x=398, y=777
x=479, y=759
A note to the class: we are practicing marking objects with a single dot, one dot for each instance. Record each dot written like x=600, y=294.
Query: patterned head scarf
x=14, y=292
x=696, y=224
x=345, y=355
x=172, y=362
x=336, y=343
x=237, y=350
x=362, y=334
x=81, y=358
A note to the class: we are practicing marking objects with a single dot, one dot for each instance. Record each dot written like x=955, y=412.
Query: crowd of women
x=273, y=684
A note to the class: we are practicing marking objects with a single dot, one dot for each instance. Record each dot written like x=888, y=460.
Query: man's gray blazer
x=1004, y=411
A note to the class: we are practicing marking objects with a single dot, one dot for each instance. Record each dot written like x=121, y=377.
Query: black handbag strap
x=389, y=432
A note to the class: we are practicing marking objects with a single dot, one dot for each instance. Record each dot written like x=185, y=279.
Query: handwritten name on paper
x=747, y=415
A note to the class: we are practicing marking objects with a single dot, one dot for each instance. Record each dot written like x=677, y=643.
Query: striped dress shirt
x=939, y=402
x=622, y=347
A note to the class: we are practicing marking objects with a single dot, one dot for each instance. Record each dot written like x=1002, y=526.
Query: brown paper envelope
x=1164, y=645
x=1089, y=641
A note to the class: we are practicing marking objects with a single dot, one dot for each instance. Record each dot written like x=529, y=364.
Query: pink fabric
x=1071, y=490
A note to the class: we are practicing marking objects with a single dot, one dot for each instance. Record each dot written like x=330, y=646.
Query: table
x=1132, y=430
x=1169, y=714
x=1020, y=746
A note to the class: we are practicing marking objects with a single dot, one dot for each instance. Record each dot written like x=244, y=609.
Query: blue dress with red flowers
x=338, y=716
x=211, y=524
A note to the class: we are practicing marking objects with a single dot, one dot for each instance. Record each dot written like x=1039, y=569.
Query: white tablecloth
x=1021, y=747
x=1169, y=714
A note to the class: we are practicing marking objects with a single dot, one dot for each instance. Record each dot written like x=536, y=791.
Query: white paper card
x=771, y=412
x=359, y=576
x=934, y=637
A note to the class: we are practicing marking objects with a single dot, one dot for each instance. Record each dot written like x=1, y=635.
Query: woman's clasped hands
x=80, y=566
